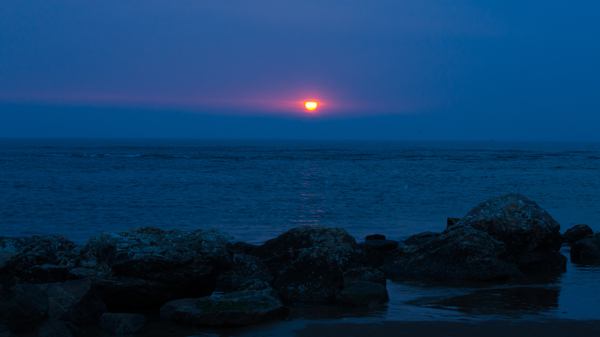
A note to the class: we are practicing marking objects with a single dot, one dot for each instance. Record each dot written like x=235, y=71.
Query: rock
x=342, y=245
x=421, y=238
x=576, y=233
x=451, y=222
x=314, y=277
x=364, y=274
x=245, y=267
x=362, y=294
x=149, y=266
x=254, y=303
x=74, y=301
x=36, y=259
x=586, y=250
x=525, y=228
x=376, y=250
x=375, y=237
x=23, y=307
x=517, y=221
x=54, y=328
x=5, y=332
x=241, y=247
x=460, y=253
x=122, y=324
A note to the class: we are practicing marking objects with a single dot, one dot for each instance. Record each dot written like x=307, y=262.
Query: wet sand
x=457, y=329
x=335, y=328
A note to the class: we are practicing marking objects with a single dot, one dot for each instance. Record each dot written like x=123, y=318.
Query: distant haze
x=423, y=70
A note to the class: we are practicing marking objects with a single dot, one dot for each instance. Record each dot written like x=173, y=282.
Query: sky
x=414, y=70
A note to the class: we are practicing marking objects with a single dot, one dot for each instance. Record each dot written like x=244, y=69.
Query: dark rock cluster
x=49, y=285
x=503, y=237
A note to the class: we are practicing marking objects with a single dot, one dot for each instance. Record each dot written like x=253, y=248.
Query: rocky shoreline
x=49, y=286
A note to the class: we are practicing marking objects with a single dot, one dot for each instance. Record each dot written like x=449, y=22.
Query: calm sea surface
x=255, y=190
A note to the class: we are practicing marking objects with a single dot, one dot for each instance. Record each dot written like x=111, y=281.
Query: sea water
x=256, y=190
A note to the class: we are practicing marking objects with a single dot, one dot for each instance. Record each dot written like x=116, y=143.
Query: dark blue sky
x=429, y=69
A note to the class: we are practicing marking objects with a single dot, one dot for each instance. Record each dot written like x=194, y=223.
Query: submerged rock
x=586, y=250
x=363, y=294
x=74, y=301
x=23, y=307
x=148, y=266
x=576, y=233
x=122, y=324
x=463, y=253
x=35, y=259
x=254, y=302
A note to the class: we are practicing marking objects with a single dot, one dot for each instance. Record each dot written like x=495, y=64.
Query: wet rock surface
x=253, y=302
x=363, y=294
x=75, y=301
x=512, y=302
x=149, y=266
x=36, y=259
x=586, y=250
x=122, y=323
x=576, y=233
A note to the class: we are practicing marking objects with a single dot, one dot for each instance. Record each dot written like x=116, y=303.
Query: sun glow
x=310, y=105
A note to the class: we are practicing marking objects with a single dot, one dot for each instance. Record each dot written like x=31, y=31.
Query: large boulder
x=244, y=268
x=342, y=245
x=35, y=259
x=460, y=253
x=309, y=262
x=254, y=302
x=586, y=250
x=148, y=266
x=517, y=221
x=313, y=277
x=504, y=237
x=74, y=301
x=524, y=227
x=23, y=307
x=576, y=233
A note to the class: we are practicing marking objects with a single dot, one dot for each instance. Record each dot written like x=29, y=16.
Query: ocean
x=258, y=189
